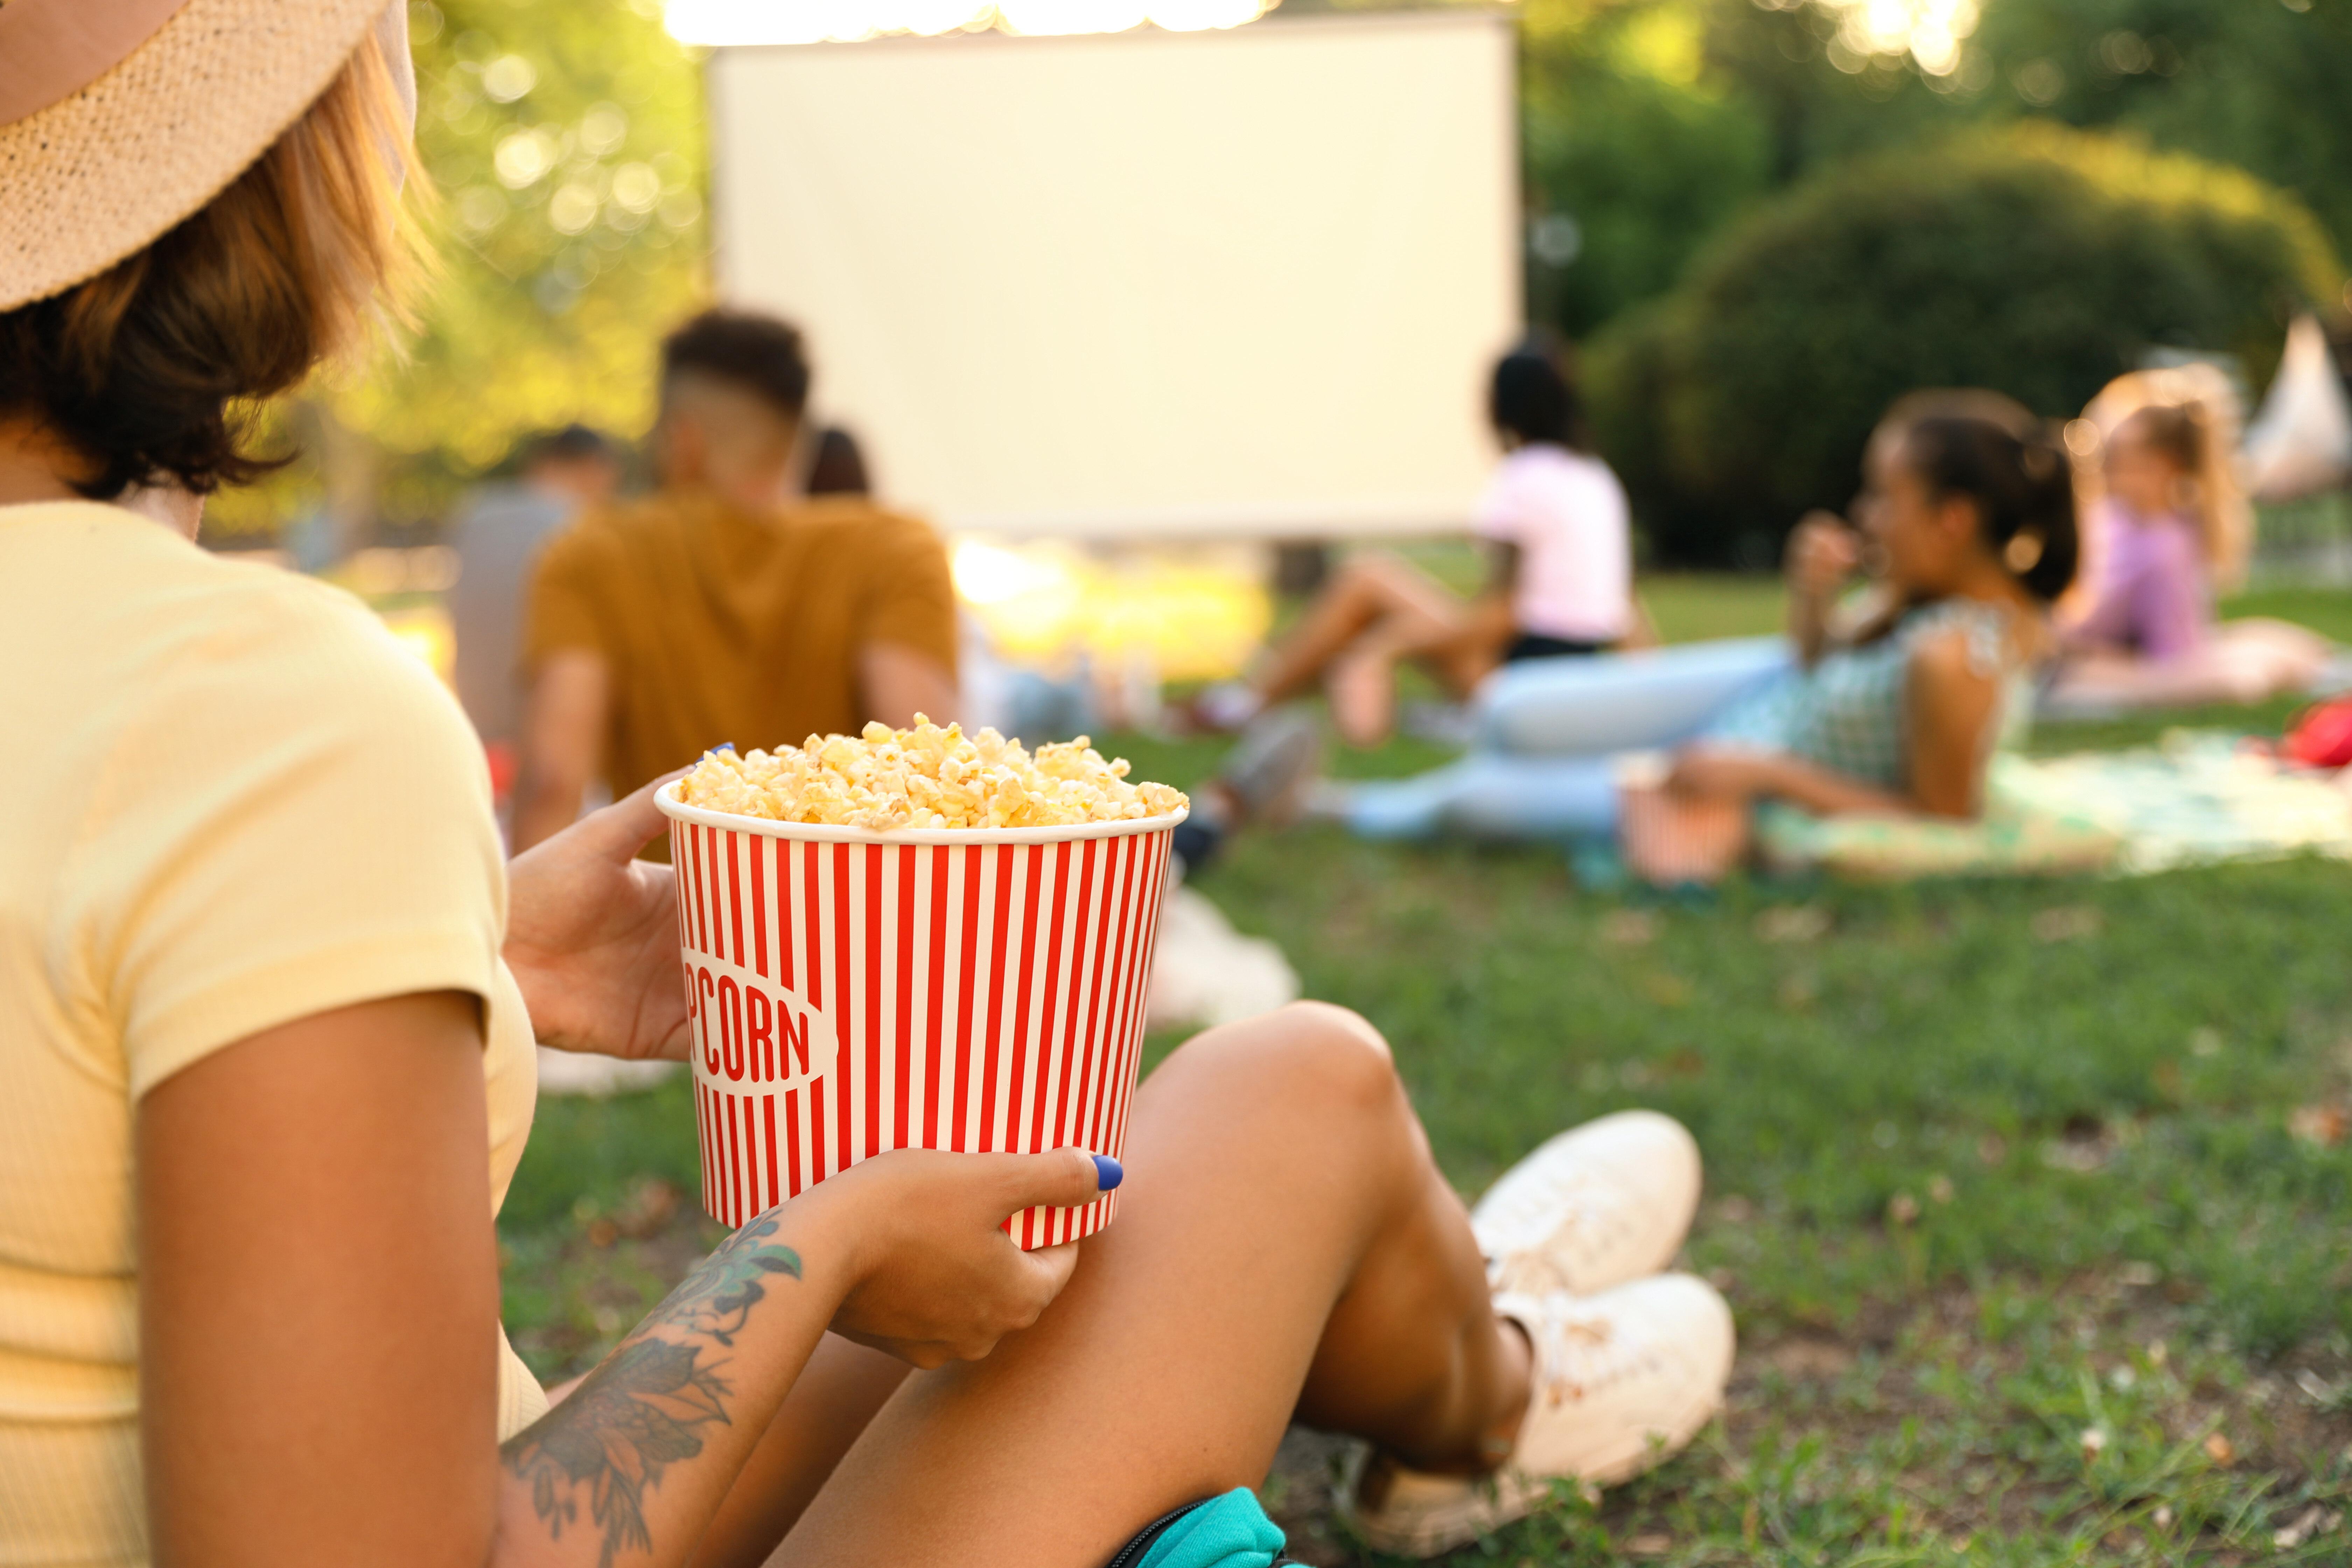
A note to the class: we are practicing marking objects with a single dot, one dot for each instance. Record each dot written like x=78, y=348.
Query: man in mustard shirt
x=729, y=606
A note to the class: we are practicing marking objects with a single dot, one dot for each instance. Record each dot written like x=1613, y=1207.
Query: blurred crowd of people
x=1993, y=565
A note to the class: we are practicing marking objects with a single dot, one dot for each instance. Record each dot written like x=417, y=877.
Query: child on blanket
x=2171, y=529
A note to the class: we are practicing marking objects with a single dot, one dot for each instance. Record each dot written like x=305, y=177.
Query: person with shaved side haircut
x=730, y=605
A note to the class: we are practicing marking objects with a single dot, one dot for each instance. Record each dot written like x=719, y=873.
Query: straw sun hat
x=119, y=118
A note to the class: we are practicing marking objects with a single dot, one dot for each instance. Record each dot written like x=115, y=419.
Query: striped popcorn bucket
x=851, y=992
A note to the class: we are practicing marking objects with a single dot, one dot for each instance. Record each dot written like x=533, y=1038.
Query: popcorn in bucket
x=856, y=987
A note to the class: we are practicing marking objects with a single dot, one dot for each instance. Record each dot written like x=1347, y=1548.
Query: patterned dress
x=1846, y=713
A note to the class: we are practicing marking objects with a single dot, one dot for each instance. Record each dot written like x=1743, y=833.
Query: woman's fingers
x=941, y=1279
x=628, y=825
x=1052, y=1266
x=1059, y=1178
x=1824, y=555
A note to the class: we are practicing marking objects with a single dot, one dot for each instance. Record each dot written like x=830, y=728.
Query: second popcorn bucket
x=851, y=992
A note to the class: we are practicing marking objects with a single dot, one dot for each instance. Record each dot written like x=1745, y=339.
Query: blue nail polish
x=724, y=746
x=1108, y=1174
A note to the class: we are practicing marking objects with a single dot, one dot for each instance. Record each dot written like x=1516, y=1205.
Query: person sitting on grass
x=266, y=1051
x=1890, y=706
x=1556, y=524
x=2171, y=529
x=729, y=603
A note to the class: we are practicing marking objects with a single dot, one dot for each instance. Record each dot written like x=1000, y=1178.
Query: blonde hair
x=2189, y=413
x=150, y=372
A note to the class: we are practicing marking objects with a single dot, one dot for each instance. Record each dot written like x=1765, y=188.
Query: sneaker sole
x=1513, y=1501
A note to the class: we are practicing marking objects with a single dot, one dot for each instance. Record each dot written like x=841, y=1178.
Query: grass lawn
x=2031, y=1199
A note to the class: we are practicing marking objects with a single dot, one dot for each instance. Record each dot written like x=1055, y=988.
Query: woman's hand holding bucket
x=592, y=936
x=935, y=1275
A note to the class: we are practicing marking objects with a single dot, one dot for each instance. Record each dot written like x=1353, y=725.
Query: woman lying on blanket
x=2171, y=529
x=265, y=1041
x=1890, y=705
x=1967, y=521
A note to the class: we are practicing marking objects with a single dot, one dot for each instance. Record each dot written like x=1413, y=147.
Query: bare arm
x=1952, y=706
x=1823, y=554
x=1741, y=774
x=896, y=683
x=319, y=1293
x=1641, y=631
x=563, y=743
x=1504, y=560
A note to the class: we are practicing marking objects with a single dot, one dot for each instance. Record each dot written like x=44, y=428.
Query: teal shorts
x=1228, y=1532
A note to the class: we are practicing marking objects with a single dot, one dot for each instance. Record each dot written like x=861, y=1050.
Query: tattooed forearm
x=638, y=1413
x=718, y=1296
x=610, y=1442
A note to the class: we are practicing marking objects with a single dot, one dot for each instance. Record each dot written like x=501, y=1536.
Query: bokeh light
x=1933, y=33
x=1186, y=615
x=726, y=22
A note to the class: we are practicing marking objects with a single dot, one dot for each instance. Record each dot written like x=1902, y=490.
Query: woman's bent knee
x=1308, y=1058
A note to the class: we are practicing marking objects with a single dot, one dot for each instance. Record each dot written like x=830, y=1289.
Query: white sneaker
x=1595, y=1206
x=1620, y=1381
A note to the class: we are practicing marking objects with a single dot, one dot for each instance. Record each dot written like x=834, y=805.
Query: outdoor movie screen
x=1147, y=284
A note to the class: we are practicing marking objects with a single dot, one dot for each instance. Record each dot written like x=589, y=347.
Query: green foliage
x=1822, y=103
x=1653, y=123
x=2257, y=84
x=573, y=222
x=2038, y=262
x=1626, y=141
x=565, y=141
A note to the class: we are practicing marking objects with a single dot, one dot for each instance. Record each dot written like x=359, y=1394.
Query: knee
x=1310, y=1059
x=1338, y=1039
x=1370, y=569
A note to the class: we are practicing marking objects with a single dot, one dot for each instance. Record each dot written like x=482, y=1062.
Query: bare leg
x=1413, y=612
x=2243, y=662
x=1362, y=679
x=1285, y=1243
x=835, y=1396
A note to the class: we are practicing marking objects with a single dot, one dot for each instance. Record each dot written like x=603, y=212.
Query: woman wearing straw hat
x=269, y=994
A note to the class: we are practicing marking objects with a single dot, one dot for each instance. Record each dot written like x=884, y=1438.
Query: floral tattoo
x=637, y=1413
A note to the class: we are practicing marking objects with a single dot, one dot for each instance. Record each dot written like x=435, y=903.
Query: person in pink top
x=2154, y=595
x=2172, y=528
x=1561, y=580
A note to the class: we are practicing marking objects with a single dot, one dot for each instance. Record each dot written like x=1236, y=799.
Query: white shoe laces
x=1590, y=1211
x=1579, y=1353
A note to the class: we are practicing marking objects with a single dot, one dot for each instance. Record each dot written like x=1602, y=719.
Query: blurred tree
x=1634, y=156
x=2037, y=261
x=566, y=142
x=1651, y=123
x=2258, y=83
x=1829, y=85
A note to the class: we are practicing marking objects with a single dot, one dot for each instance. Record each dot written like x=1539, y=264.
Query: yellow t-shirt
x=228, y=799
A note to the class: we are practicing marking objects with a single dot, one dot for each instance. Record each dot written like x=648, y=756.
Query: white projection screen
x=1141, y=285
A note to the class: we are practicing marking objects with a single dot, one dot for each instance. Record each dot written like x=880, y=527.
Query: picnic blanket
x=2197, y=797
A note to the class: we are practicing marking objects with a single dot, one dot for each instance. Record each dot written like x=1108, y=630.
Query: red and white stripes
x=853, y=998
